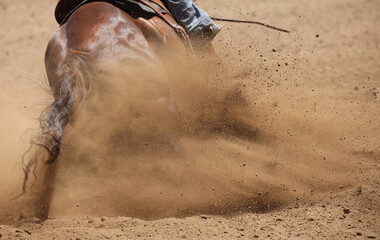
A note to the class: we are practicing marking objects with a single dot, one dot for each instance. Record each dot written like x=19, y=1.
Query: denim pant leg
x=188, y=15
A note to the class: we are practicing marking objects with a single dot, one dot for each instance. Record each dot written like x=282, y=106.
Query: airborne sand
x=277, y=146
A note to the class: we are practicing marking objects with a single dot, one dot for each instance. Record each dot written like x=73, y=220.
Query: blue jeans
x=188, y=15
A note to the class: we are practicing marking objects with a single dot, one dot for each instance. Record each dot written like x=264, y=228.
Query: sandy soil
x=283, y=143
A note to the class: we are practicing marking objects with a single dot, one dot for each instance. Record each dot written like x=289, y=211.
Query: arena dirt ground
x=282, y=142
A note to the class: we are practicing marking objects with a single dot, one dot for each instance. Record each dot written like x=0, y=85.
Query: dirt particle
x=359, y=190
x=346, y=211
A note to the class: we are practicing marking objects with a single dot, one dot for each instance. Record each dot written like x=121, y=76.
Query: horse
x=94, y=32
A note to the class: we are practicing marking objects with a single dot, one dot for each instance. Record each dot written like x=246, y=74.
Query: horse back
x=135, y=8
x=156, y=31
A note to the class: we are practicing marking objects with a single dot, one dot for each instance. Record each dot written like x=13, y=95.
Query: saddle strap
x=177, y=28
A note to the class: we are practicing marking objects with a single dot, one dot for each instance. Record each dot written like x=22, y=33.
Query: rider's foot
x=207, y=34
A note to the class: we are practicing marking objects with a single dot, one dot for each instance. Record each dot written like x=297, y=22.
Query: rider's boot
x=207, y=33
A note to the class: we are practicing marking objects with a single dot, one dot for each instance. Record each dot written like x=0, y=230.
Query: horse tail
x=73, y=88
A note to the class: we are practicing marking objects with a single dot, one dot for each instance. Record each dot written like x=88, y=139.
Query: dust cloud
x=194, y=141
x=18, y=125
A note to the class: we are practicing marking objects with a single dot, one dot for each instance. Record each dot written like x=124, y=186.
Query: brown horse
x=95, y=32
